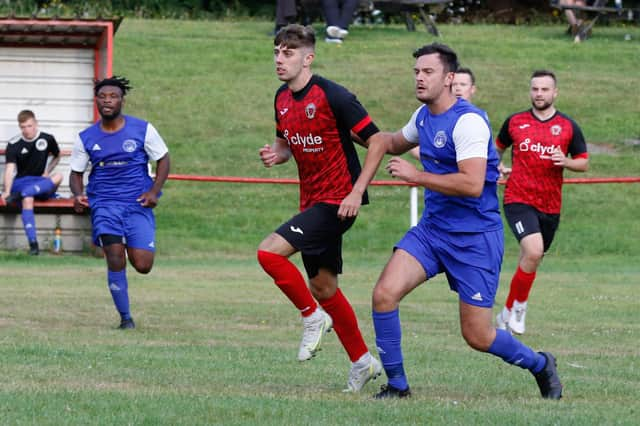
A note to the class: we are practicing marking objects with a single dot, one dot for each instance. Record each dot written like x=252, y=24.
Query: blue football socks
x=29, y=225
x=514, y=352
x=388, y=340
x=120, y=292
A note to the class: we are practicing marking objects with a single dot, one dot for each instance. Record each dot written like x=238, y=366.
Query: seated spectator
x=574, y=22
x=26, y=174
x=338, y=15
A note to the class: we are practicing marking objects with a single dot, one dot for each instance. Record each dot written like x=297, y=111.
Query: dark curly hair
x=116, y=81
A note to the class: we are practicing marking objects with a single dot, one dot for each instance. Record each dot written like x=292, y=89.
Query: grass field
x=216, y=341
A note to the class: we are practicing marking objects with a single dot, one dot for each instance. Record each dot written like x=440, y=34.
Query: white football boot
x=365, y=369
x=315, y=326
x=502, y=319
x=516, y=320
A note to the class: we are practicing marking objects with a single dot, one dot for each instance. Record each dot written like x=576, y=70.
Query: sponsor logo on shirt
x=41, y=144
x=310, y=143
x=96, y=147
x=24, y=151
x=283, y=111
x=524, y=126
x=544, y=151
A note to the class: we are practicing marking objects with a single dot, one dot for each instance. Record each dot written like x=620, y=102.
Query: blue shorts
x=20, y=183
x=471, y=261
x=136, y=224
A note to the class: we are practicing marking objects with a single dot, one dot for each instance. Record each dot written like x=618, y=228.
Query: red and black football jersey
x=31, y=157
x=534, y=179
x=317, y=123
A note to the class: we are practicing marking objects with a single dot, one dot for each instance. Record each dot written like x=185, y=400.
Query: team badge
x=310, y=110
x=440, y=140
x=129, y=145
x=556, y=130
x=41, y=144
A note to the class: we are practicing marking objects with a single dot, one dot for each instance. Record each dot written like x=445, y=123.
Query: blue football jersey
x=119, y=160
x=439, y=154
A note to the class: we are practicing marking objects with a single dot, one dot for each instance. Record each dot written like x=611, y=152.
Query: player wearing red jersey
x=315, y=121
x=540, y=138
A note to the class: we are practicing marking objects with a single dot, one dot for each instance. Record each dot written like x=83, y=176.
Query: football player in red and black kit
x=316, y=122
x=541, y=140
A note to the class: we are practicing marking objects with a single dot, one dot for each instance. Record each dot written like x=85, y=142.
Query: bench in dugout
x=598, y=11
x=51, y=213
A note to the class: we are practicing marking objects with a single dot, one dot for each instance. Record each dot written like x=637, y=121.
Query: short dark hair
x=25, y=114
x=465, y=70
x=294, y=36
x=447, y=55
x=116, y=81
x=544, y=73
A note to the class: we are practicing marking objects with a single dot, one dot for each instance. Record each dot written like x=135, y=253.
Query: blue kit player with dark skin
x=121, y=194
x=460, y=232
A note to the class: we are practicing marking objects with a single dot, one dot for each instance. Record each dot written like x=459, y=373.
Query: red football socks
x=289, y=280
x=345, y=324
x=521, y=284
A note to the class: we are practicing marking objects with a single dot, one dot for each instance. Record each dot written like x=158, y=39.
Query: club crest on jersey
x=556, y=130
x=129, y=145
x=41, y=144
x=440, y=140
x=310, y=110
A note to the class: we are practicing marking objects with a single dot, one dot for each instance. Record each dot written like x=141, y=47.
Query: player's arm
x=9, y=173
x=52, y=165
x=274, y=154
x=503, y=141
x=471, y=137
x=150, y=198
x=376, y=148
x=157, y=151
x=78, y=164
x=579, y=161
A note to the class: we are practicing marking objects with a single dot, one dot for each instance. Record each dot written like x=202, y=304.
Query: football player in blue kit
x=460, y=232
x=120, y=193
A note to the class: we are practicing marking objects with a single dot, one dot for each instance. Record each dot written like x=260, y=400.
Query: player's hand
x=148, y=199
x=505, y=171
x=402, y=169
x=558, y=158
x=80, y=202
x=350, y=206
x=268, y=156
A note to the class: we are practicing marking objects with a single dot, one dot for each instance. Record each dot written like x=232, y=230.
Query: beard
x=111, y=115
x=545, y=105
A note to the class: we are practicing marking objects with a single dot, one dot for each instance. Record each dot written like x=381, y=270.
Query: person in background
x=120, y=192
x=338, y=15
x=541, y=139
x=27, y=176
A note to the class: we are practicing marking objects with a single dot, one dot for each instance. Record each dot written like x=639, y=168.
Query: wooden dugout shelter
x=48, y=65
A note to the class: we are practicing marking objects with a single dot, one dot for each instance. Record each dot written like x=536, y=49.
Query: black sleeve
x=53, y=145
x=11, y=154
x=504, y=138
x=577, y=145
x=349, y=112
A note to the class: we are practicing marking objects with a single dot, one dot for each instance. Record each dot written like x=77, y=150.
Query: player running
x=120, y=192
x=315, y=119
